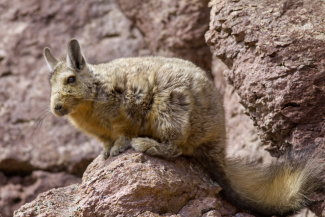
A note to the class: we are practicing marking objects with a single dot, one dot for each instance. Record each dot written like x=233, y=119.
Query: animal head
x=71, y=80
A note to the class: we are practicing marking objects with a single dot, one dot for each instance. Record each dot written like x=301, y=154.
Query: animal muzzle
x=59, y=110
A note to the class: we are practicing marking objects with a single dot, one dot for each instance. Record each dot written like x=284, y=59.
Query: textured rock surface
x=275, y=53
x=274, y=50
x=16, y=191
x=318, y=205
x=243, y=140
x=132, y=184
x=172, y=28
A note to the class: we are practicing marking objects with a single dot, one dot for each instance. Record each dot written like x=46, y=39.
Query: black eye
x=71, y=79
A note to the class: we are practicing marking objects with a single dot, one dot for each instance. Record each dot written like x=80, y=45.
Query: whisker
x=42, y=109
x=38, y=121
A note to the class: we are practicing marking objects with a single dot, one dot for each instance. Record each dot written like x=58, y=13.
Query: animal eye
x=71, y=79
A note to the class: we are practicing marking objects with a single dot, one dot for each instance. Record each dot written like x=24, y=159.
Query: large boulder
x=275, y=54
x=135, y=184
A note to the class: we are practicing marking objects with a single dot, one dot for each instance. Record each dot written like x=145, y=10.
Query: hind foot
x=152, y=147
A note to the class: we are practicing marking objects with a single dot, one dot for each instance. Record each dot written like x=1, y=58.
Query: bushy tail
x=280, y=188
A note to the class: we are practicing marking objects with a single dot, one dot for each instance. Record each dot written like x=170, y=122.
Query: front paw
x=105, y=153
x=118, y=149
x=120, y=145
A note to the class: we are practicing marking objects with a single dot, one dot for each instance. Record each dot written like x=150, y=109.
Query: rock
x=150, y=214
x=274, y=52
x=135, y=184
x=56, y=202
x=16, y=191
x=172, y=28
x=242, y=136
x=217, y=69
x=318, y=203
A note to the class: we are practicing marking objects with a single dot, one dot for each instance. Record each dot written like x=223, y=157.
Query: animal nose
x=58, y=107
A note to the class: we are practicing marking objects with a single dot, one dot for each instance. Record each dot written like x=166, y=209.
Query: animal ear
x=50, y=60
x=75, y=60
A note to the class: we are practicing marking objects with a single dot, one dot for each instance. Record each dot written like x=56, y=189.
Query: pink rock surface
x=16, y=191
x=242, y=136
x=139, y=183
x=274, y=50
x=134, y=184
x=172, y=28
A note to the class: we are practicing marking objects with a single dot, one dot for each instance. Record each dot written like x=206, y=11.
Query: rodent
x=169, y=107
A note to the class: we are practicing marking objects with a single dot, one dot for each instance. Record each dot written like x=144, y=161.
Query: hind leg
x=170, y=119
x=152, y=147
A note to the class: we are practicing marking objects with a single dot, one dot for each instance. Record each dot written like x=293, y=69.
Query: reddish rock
x=172, y=28
x=243, y=140
x=135, y=184
x=56, y=202
x=141, y=183
x=274, y=50
x=318, y=205
x=150, y=214
x=16, y=191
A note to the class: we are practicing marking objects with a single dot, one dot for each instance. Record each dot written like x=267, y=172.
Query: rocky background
x=274, y=56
